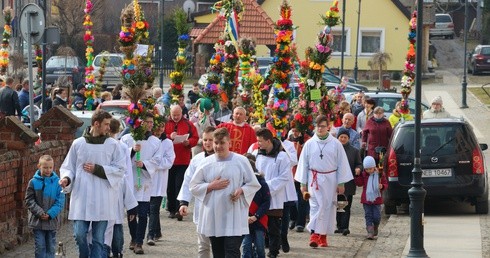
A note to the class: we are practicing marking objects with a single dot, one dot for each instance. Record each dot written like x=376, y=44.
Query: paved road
x=451, y=229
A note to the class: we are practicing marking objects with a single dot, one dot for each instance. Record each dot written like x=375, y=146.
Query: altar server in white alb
x=225, y=183
x=185, y=195
x=322, y=170
x=159, y=182
x=275, y=164
x=144, y=167
x=93, y=171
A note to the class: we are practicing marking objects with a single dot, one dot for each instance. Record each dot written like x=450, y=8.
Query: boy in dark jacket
x=373, y=183
x=257, y=217
x=45, y=201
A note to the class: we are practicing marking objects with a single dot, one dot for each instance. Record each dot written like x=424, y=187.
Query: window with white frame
x=372, y=41
x=337, y=44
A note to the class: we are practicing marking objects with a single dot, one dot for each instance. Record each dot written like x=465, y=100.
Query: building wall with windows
x=383, y=26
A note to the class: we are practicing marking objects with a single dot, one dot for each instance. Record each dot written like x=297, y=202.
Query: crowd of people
x=249, y=188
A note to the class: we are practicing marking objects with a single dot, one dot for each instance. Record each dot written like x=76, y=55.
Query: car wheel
x=473, y=70
x=481, y=205
x=390, y=209
x=451, y=36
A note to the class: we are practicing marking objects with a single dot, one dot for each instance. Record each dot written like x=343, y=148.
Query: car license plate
x=443, y=172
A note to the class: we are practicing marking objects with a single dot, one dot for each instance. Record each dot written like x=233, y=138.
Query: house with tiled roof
x=383, y=27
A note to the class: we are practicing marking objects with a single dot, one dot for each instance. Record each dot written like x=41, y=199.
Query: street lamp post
x=342, y=45
x=417, y=193
x=464, y=84
x=161, y=43
x=357, y=38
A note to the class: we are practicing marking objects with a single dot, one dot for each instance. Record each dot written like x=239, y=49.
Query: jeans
x=45, y=241
x=175, y=180
x=226, y=247
x=372, y=214
x=117, y=240
x=274, y=226
x=257, y=238
x=137, y=227
x=343, y=218
x=285, y=218
x=203, y=246
x=154, y=228
x=96, y=248
x=303, y=207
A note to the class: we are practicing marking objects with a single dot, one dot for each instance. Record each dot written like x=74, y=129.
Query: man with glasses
x=436, y=110
x=145, y=165
x=322, y=170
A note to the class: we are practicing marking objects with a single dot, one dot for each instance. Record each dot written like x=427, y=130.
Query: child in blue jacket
x=45, y=201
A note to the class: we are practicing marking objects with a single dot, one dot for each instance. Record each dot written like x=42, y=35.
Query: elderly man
x=9, y=100
x=178, y=127
x=242, y=134
x=354, y=136
x=436, y=110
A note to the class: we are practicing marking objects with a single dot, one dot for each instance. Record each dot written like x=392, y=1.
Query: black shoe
x=346, y=232
x=337, y=231
x=171, y=215
x=270, y=255
x=285, y=244
x=150, y=241
x=300, y=228
x=292, y=224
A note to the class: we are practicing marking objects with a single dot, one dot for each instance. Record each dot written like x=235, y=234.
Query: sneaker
x=150, y=241
x=132, y=245
x=346, y=232
x=323, y=241
x=178, y=216
x=292, y=224
x=314, y=239
x=157, y=238
x=300, y=228
x=138, y=249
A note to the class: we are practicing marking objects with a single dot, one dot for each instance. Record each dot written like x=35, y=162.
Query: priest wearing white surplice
x=322, y=170
x=93, y=171
x=144, y=168
x=225, y=183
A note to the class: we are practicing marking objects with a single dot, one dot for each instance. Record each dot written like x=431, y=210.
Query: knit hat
x=369, y=162
x=80, y=86
x=343, y=130
x=437, y=100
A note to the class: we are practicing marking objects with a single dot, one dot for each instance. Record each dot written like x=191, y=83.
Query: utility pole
x=357, y=39
x=342, y=45
x=162, y=9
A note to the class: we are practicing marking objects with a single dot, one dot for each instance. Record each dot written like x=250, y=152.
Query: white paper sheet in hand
x=181, y=138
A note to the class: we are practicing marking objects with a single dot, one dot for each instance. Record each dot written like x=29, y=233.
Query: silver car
x=443, y=26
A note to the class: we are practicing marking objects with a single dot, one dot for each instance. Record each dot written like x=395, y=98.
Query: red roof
x=255, y=23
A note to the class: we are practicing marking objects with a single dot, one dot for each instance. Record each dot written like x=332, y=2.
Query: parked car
x=329, y=76
x=113, y=69
x=443, y=26
x=479, y=59
x=263, y=61
x=119, y=106
x=86, y=117
x=452, y=161
x=70, y=66
x=387, y=100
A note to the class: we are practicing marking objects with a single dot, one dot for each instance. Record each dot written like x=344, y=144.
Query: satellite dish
x=189, y=6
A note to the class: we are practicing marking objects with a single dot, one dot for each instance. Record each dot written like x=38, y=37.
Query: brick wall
x=19, y=155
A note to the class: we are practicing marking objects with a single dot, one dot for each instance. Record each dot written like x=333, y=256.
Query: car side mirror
x=483, y=146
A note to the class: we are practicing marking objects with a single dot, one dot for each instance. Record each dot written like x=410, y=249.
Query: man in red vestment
x=242, y=135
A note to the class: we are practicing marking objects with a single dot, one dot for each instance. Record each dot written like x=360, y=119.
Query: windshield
x=69, y=62
x=112, y=61
x=443, y=139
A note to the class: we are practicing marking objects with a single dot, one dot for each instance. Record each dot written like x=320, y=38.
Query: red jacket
x=362, y=180
x=376, y=134
x=241, y=137
x=182, y=127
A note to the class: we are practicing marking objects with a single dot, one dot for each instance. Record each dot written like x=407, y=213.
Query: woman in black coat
x=61, y=97
x=355, y=162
